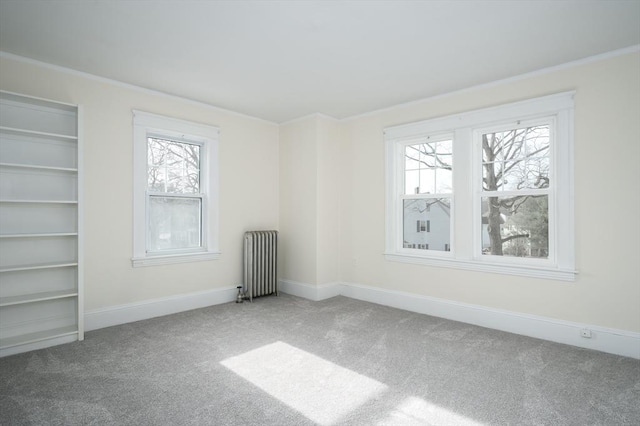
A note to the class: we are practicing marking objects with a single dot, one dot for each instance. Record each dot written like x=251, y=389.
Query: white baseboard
x=121, y=314
x=618, y=342
x=309, y=291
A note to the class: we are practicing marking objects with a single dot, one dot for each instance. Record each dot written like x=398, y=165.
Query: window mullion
x=463, y=226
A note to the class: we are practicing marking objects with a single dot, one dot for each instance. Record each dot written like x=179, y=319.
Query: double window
x=175, y=190
x=487, y=190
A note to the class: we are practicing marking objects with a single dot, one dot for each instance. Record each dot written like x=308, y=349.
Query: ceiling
x=279, y=60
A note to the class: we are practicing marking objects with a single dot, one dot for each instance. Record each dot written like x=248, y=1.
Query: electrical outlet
x=586, y=333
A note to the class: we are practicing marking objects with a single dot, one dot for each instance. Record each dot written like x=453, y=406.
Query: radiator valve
x=240, y=297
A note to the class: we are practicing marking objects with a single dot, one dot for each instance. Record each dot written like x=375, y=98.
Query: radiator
x=260, y=263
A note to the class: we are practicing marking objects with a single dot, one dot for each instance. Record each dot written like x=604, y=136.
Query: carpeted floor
x=289, y=361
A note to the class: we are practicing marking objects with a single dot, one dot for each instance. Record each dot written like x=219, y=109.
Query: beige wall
x=298, y=196
x=248, y=184
x=607, y=201
x=330, y=181
x=321, y=182
x=310, y=181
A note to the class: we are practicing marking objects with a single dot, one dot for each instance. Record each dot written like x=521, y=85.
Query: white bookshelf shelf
x=47, y=135
x=39, y=201
x=34, y=266
x=36, y=297
x=36, y=167
x=41, y=235
x=40, y=223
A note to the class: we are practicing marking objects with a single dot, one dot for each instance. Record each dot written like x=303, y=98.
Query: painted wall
x=330, y=181
x=249, y=190
x=298, y=198
x=607, y=201
x=310, y=181
x=322, y=182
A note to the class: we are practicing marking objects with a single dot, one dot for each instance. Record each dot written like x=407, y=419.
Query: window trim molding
x=463, y=125
x=147, y=124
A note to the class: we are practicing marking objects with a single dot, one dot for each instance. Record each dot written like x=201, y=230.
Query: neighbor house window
x=175, y=190
x=488, y=190
x=423, y=225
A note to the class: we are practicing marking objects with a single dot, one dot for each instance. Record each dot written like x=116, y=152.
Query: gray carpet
x=289, y=361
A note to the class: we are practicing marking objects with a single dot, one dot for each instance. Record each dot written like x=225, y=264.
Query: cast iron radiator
x=260, y=263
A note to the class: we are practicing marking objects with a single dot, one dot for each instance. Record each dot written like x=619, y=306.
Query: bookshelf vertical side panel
x=80, y=221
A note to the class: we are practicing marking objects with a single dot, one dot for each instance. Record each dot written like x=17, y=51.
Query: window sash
x=480, y=193
x=182, y=141
x=202, y=223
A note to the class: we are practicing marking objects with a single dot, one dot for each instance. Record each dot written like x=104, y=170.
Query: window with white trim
x=488, y=190
x=175, y=190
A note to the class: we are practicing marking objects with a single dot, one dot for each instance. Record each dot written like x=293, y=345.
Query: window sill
x=174, y=258
x=471, y=265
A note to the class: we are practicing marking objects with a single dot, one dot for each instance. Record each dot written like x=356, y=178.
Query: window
x=514, y=199
x=175, y=190
x=487, y=190
x=427, y=191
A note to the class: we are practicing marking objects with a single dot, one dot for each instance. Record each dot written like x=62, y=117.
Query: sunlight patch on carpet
x=319, y=389
x=417, y=411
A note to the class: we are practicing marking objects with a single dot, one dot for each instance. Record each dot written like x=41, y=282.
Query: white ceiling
x=279, y=60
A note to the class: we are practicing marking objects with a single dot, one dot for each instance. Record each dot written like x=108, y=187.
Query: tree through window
x=515, y=191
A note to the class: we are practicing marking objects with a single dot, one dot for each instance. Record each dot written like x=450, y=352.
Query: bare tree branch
x=513, y=237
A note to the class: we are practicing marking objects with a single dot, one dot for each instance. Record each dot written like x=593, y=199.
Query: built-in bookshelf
x=40, y=223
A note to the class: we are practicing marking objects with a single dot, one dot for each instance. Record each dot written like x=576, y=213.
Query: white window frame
x=147, y=125
x=467, y=183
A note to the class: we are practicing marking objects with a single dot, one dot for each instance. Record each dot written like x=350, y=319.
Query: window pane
x=427, y=224
x=427, y=181
x=537, y=172
x=173, y=166
x=156, y=171
x=515, y=226
x=156, y=177
x=443, y=181
x=513, y=175
x=427, y=155
x=516, y=159
x=444, y=147
x=412, y=158
x=412, y=182
x=174, y=223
